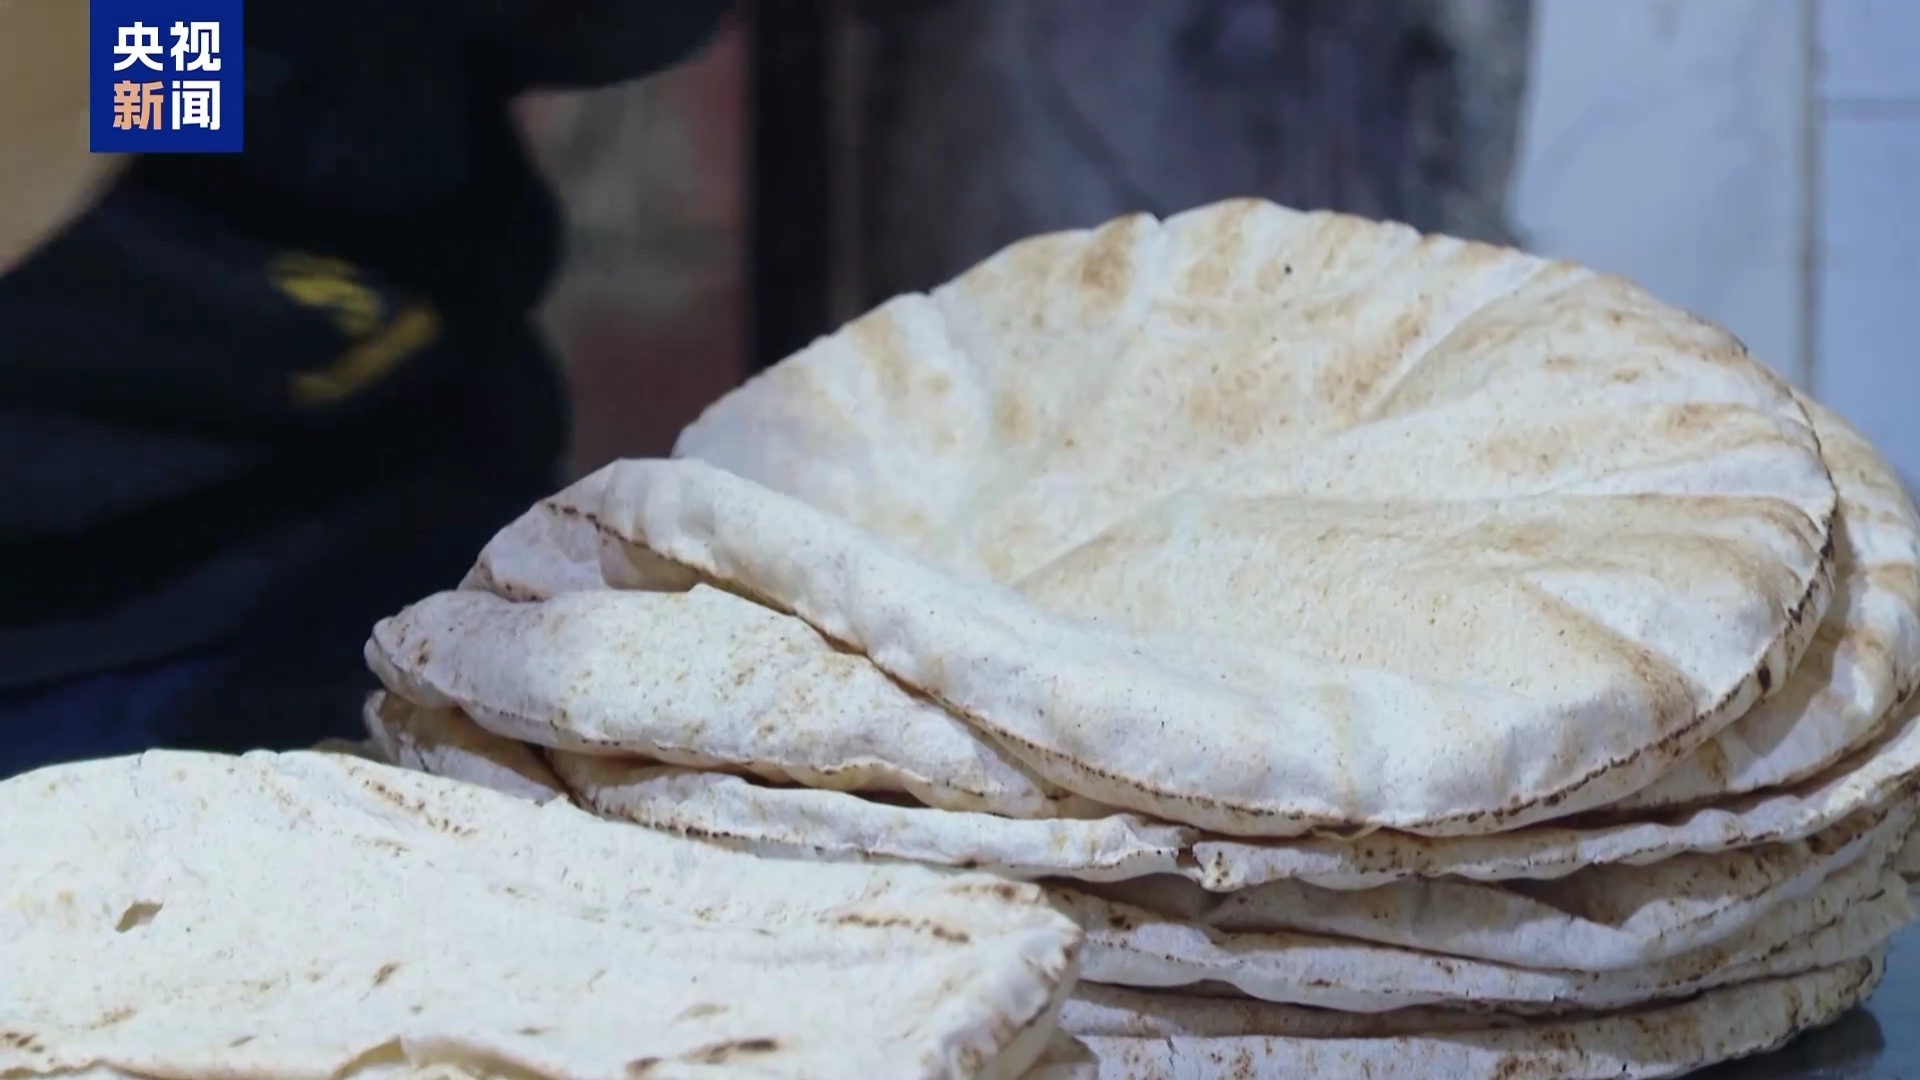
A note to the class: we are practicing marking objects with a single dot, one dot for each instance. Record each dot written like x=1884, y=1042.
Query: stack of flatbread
x=309, y=915
x=1401, y=656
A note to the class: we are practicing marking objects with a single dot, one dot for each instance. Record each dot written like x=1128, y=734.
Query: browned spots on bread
x=386, y=972
x=1272, y=275
x=1546, y=448
x=137, y=915
x=901, y=922
x=21, y=1040
x=415, y=808
x=877, y=339
x=119, y=1015
x=1005, y=891
x=1013, y=419
x=1106, y=267
x=1372, y=364
x=722, y=1052
x=1222, y=246
x=1670, y=748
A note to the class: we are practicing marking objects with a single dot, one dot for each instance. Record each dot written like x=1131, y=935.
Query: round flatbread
x=1127, y=946
x=1602, y=918
x=1270, y=522
x=828, y=824
x=550, y=549
x=1665, y=1040
x=444, y=742
x=311, y=914
x=1864, y=663
x=701, y=678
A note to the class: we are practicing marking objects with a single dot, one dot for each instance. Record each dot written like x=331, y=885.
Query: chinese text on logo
x=166, y=76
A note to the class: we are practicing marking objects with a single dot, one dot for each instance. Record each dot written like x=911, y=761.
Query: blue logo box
x=167, y=76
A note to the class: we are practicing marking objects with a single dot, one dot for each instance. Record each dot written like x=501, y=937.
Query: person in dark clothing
x=251, y=403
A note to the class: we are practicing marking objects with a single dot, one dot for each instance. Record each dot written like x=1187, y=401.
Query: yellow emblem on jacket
x=382, y=339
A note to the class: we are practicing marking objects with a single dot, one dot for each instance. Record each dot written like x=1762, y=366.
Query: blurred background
x=1756, y=161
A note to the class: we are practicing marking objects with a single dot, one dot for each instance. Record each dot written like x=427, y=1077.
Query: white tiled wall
x=1867, y=280
x=1664, y=140
x=1757, y=161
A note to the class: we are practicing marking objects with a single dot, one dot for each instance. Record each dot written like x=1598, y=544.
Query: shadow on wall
x=648, y=314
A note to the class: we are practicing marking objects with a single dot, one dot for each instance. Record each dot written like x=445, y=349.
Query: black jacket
x=238, y=368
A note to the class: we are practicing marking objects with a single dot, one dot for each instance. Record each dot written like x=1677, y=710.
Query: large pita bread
x=311, y=915
x=554, y=548
x=1870, y=776
x=831, y=825
x=1095, y=1009
x=1864, y=662
x=1128, y=946
x=1601, y=919
x=700, y=678
x=1605, y=918
x=443, y=742
x=827, y=824
x=1152, y=503
x=1669, y=1039
x=1062, y=1059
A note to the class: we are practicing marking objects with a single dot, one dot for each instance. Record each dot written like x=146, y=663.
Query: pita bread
x=554, y=548
x=1871, y=776
x=808, y=823
x=700, y=678
x=1601, y=919
x=220, y=910
x=445, y=743
x=1066, y=1061
x=1128, y=946
x=1864, y=661
x=739, y=813
x=547, y=550
x=1093, y=487
x=1665, y=1040
x=1116, y=1011
x=1606, y=918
